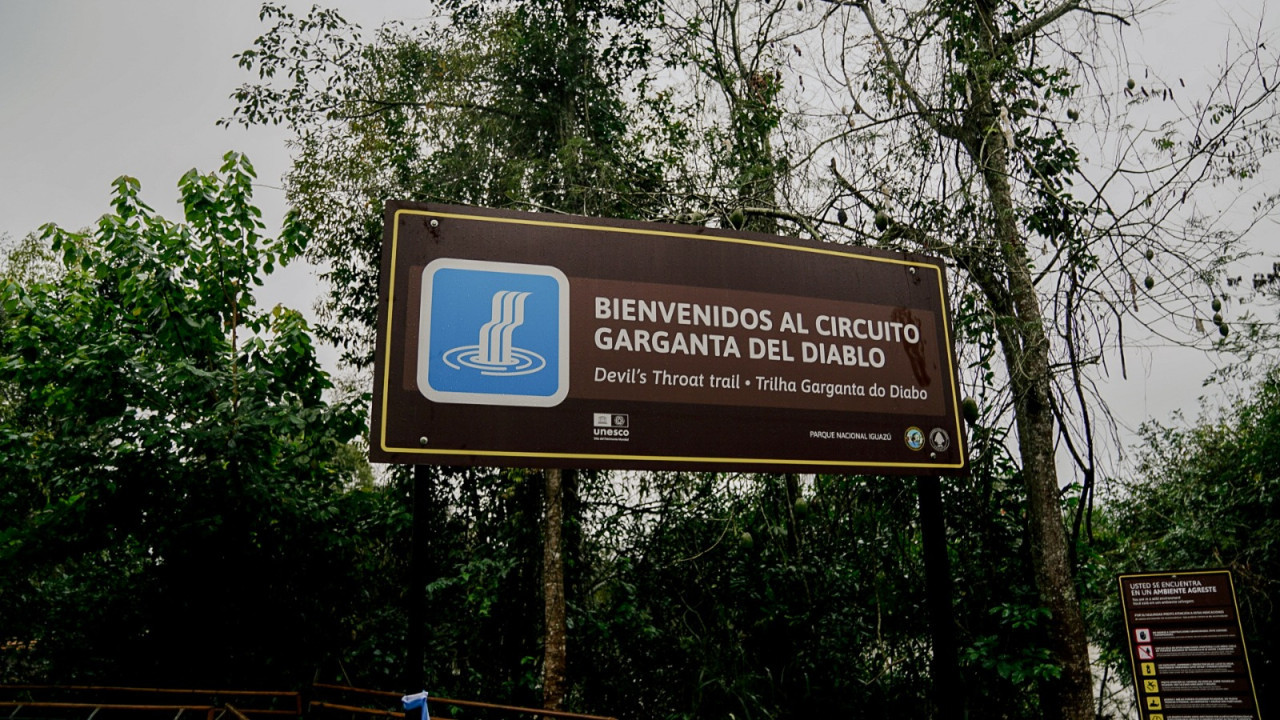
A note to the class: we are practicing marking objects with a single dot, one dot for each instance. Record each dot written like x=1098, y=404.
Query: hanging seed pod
x=801, y=508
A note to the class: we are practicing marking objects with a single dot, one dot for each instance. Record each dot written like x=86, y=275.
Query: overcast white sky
x=93, y=89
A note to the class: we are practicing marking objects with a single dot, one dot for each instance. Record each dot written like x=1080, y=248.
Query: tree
x=167, y=454
x=510, y=103
x=739, y=50
x=952, y=128
x=496, y=104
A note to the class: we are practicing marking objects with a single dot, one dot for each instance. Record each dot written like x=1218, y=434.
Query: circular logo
x=914, y=437
x=939, y=440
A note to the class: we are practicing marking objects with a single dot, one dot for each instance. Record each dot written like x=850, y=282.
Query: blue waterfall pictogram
x=494, y=352
x=493, y=333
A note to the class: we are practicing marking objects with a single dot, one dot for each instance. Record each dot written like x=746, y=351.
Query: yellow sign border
x=1235, y=603
x=387, y=347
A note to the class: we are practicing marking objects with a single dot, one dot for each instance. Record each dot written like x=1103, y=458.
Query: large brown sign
x=1186, y=646
x=508, y=338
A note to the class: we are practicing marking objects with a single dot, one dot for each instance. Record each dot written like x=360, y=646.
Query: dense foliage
x=178, y=479
x=1206, y=496
x=712, y=595
x=171, y=474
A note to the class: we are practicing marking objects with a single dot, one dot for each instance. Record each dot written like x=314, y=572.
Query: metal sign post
x=944, y=660
x=418, y=571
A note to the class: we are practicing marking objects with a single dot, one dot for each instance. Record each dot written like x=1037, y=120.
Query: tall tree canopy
x=496, y=104
x=506, y=103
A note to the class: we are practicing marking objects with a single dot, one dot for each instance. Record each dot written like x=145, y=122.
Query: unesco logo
x=493, y=333
x=611, y=426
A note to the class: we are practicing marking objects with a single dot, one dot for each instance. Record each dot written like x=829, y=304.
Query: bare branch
x=778, y=214
x=1037, y=24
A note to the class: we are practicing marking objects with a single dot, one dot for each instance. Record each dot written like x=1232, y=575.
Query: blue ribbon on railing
x=415, y=701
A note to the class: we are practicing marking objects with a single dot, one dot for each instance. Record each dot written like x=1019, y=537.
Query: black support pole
x=416, y=591
x=948, y=696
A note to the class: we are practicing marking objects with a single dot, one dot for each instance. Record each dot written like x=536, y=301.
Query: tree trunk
x=555, y=655
x=1026, y=350
x=416, y=592
x=1070, y=696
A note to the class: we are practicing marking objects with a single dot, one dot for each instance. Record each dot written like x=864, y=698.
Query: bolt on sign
x=511, y=338
x=1186, y=646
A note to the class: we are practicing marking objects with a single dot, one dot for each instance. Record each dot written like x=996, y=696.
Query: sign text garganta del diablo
x=509, y=338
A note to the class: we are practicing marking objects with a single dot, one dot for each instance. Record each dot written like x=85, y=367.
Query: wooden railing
x=107, y=702
x=103, y=702
x=360, y=701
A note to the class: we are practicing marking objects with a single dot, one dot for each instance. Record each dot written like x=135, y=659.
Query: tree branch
x=778, y=214
x=1037, y=24
x=946, y=130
